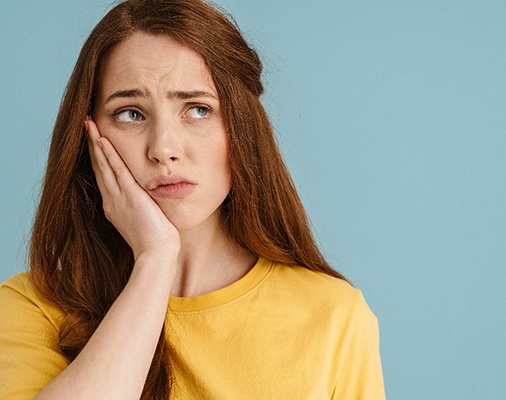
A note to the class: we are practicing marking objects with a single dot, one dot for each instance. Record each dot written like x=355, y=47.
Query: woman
x=170, y=254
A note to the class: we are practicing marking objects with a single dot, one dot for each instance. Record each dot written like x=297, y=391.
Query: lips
x=170, y=186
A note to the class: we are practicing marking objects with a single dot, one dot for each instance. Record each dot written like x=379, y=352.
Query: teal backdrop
x=391, y=116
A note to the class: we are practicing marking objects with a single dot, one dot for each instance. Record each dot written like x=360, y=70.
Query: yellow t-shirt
x=278, y=333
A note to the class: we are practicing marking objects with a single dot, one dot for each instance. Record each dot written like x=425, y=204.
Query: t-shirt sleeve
x=360, y=375
x=29, y=352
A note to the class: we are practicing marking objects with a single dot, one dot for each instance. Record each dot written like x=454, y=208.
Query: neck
x=209, y=260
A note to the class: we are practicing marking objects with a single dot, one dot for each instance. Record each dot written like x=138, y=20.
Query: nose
x=165, y=142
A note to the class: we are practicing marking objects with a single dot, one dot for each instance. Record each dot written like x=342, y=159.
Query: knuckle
x=100, y=167
x=117, y=171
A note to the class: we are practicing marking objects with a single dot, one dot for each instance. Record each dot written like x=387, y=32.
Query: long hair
x=78, y=260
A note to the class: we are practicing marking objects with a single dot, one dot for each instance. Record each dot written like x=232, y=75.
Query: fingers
x=106, y=178
x=124, y=177
x=106, y=161
x=111, y=171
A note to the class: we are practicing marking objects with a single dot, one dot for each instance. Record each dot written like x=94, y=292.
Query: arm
x=115, y=362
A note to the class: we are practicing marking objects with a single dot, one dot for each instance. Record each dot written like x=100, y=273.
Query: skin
x=158, y=106
x=168, y=123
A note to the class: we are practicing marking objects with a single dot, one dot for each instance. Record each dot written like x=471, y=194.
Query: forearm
x=115, y=362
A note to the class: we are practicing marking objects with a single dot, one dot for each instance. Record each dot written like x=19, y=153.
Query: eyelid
x=121, y=110
x=127, y=108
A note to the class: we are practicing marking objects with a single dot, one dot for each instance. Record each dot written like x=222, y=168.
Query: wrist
x=156, y=259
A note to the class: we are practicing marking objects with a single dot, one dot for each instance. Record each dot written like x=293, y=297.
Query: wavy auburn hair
x=78, y=260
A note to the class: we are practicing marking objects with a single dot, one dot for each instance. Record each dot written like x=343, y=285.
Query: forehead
x=152, y=60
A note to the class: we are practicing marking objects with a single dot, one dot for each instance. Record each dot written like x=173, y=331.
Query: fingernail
x=100, y=143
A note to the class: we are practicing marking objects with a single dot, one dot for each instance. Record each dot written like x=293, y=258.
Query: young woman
x=171, y=256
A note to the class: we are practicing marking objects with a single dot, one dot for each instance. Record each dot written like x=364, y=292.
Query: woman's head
x=234, y=67
x=263, y=212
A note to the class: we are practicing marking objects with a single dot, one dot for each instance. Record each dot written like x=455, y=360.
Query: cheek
x=131, y=154
x=220, y=158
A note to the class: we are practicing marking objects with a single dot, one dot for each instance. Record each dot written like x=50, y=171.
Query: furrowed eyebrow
x=126, y=93
x=187, y=95
x=176, y=94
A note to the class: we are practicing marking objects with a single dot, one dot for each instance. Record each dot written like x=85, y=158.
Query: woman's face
x=157, y=103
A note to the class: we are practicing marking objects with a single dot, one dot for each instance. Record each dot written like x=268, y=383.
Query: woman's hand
x=115, y=362
x=126, y=204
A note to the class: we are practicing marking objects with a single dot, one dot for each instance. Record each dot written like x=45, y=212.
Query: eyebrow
x=173, y=94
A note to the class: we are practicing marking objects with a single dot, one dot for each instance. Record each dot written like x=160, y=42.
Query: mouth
x=170, y=187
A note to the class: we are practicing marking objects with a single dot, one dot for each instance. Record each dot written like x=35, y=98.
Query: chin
x=190, y=220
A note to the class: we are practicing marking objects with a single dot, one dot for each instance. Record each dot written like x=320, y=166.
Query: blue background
x=391, y=115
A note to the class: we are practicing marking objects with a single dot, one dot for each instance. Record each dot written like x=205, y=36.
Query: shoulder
x=20, y=286
x=17, y=287
x=321, y=294
x=20, y=300
x=30, y=356
x=316, y=285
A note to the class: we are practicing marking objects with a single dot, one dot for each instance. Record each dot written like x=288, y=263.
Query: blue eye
x=129, y=116
x=199, y=112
